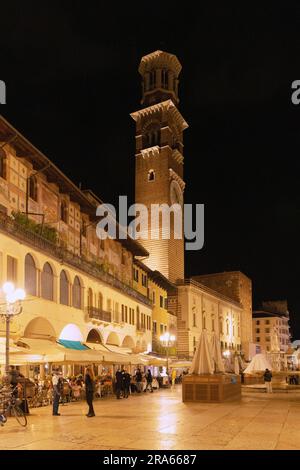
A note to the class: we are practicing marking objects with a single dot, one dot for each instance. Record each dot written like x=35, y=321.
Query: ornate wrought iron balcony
x=99, y=314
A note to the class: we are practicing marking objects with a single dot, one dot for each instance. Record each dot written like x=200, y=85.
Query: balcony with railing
x=99, y=314
x=16, y=230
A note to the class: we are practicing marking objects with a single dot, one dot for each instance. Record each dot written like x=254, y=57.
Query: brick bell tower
x=159, y=156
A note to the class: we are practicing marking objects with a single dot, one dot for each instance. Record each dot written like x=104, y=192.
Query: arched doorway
x=113, y=339
x=40, y=328
x=71, y=332
x=94, y=337
x=128, y=342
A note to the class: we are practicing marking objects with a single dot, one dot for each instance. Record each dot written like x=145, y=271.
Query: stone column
x=42, y=371
x=158, y=78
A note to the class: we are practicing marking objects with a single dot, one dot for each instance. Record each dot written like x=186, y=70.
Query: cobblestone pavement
x=160, y=421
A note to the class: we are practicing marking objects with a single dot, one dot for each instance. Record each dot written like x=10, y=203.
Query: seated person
x=155, y=383
x=76, y=390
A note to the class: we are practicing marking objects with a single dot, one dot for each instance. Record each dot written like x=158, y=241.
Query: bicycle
x=9, y=404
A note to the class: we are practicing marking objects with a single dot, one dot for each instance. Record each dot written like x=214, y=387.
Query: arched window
x=64, y=288
x=152, y=79
x=47, y=282
x=3, y=164
x=30, y=275
x=33, y=188
x=164, y=79
x=76, y=293
x=100, y=301
x=90, y=299
x=194, y=316
x=151, y=135
x=221, y=325
x=64, y=212
x=116, y=313
x=227, y=327
x=203, y=320
x=213, y=324
x=151, y=175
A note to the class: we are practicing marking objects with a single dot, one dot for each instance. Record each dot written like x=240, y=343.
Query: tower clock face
x=176, y=196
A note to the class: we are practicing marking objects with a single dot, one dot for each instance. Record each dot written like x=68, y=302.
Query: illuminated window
x=12, y=265
x=76, y=293
x=64, y=288
x=47, y=279
x=64, y=212
x=100, y=301
x=30, y=275
x=90, y=299
x=151, y=175
x=33, y=194
x=3, y=164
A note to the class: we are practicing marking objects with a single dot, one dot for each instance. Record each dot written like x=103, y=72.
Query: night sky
x=72, y=80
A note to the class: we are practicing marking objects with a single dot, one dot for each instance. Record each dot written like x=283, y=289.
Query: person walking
x=57, y=385
x=126, y=383
x=149, y=379
x=139, y=380
x=119, y=383
x=268, y=380
x=89, y=381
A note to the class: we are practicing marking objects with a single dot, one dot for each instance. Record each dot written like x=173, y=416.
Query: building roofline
x=157, y=277
x=266, y=313
x=191, y=282
x=221, y=273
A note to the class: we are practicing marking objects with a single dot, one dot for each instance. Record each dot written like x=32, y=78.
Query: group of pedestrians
x=125, y=383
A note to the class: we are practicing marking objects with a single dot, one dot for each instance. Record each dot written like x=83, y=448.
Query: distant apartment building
x=269, y=322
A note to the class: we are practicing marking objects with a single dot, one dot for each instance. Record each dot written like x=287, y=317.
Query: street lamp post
x=13, y=298
x=167, y=340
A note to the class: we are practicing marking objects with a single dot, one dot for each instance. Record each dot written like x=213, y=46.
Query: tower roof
x=159, y=59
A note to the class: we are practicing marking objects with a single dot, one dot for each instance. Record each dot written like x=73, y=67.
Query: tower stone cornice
x=165, y=106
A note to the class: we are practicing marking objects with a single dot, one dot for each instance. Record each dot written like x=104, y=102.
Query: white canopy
x=202, y=362
x=216, y=354
x=258, y=363
x=42, y=351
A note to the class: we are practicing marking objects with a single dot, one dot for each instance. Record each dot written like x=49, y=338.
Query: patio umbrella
x=216, y=354
x=202, y=362
x=258, y=363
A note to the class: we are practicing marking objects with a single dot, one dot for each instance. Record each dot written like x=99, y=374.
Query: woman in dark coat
x=89, y=381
